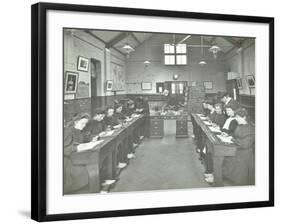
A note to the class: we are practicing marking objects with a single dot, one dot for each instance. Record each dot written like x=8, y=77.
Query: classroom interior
x=170, y=145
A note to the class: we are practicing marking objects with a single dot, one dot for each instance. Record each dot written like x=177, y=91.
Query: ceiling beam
x=232, y=41
x=119, y=51
x=105, y=43
x=231, y=49
x=95, y=36
x=116, y=40
x=135, y=38
x=212, y=40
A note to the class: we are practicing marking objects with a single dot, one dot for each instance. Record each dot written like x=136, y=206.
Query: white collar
x=227, y=122
x=227, y=101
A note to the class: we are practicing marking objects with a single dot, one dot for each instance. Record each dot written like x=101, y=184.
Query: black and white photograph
x=176, y=117
x=142, y=112
x=83, y=64
x=71, y=82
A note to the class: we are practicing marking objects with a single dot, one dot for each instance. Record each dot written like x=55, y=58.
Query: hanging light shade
x=128, y=48
x=215, y=49
x=146, y=62
x=202, y=62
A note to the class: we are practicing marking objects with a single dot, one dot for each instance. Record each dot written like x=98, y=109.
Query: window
x=175, y=54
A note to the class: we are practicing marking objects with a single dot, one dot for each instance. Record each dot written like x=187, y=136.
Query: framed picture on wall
x=71, y=82
x=239, y=83
x=159, y=87
x=83, y=64
x=85, y=178
x=109, y=85
x=250, y=81
x=192, y=83
x=146, y=85
x=208, y=85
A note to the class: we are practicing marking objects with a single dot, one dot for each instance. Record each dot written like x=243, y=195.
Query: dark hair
x=99, y=111
x=117, y=106
x=218, y=105
x=109, y=107
x=241, y=112
x=234, y=107
x=226, y=94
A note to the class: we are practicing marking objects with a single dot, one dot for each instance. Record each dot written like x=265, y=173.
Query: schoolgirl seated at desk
x=130, y=108
x=119, y=112
x=240, y=168
x=219, y=117
x=75, y=175
x=111, y=120
x=96, y=126
x=231, y=123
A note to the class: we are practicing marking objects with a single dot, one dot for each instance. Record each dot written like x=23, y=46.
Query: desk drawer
x=156, y=133
x=156, y=123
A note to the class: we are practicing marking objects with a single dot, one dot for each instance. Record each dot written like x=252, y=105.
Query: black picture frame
x=83, y=64
x=71, y=88
x=250, y=81
x=39, y=110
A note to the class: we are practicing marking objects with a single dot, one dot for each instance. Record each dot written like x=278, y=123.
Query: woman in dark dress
x=119, y=112
x=231, y=123
x=95, y=126
x=111, y=119
x=75, y=176
x=240, y=168
x=219, y=117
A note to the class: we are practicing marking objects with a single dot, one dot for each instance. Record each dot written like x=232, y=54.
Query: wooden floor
x=167, y=163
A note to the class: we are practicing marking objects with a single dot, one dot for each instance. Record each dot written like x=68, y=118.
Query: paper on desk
x=108, y=133
x=213, y=129
x=88, y=145
x=136, y=115
x=226, y=139
x=207, y=123
x=203, y=118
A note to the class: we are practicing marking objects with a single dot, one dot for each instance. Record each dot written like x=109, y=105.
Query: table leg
x=218, y=177
x=94, y=177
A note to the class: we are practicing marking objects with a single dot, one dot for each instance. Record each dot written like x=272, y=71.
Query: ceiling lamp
x=128, y=48
x=146, y=62
x=202, y=63
x=215, y=49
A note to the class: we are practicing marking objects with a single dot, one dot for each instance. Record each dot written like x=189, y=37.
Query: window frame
x=175, y=54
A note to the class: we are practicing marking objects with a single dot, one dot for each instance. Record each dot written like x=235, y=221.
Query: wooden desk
x=157, y=125
x=214, y=145
x=101, y=162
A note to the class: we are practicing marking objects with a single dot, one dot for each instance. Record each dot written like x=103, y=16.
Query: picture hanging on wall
x=193, y=83
x=208, y=85
x=239, y=83
x=159, y=87
x=146, y=85
x=83, y=64
x=251, y=81
x=118, y=77
x=71, y=79
x=109, y=85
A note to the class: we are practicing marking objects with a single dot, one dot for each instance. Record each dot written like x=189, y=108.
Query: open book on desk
x=207, y=123
x=88, y=145
x=108, y=133
x=214, y=129
x=225, y=139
